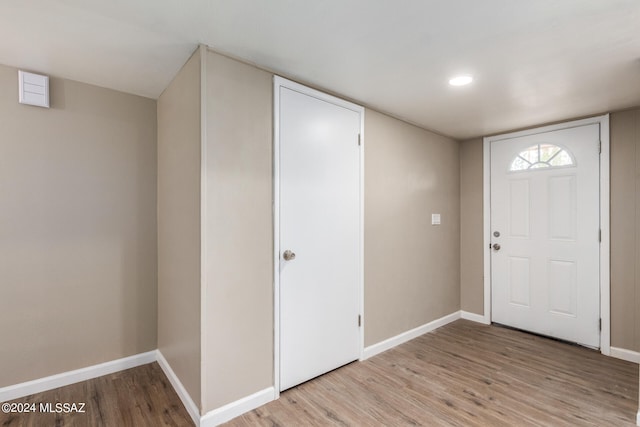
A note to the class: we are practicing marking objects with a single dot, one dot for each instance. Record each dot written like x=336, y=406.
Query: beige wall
x=625, y=228
x=179, y=226
x=239, y=317
x=471, y=227
x=77, y=229
x=411, y=267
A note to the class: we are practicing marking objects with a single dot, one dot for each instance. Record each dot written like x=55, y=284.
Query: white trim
x=234, y=409
x=638, y=418
x=276, y=238
x=402, y=338
x=624, y=354
x=486, y=214
x=605, y=285
x=605, y=259
x=279, y=82
x=204, y=58
x=182, y=392
x=480, y=318
x=361, y=272
x=306, y=90
x=71, y=377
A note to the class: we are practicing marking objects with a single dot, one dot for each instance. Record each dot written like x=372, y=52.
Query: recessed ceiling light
x=460, y=80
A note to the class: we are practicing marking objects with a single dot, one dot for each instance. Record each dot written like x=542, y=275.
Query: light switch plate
x=435, y=219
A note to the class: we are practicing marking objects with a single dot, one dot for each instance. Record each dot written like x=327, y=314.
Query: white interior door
x=545, y=224
x=319, y=210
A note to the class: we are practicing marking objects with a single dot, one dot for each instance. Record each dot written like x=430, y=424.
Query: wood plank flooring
x=465, y=374
x=140, y=396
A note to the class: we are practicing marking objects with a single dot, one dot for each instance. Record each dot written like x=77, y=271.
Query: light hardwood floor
x=140, y=396
x=465, y=374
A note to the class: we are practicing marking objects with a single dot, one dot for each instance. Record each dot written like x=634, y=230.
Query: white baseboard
x=624, y=354
x=182, y=393
x=638, y=419
x=237, y=408
x=71, y=377
x=474, y=317
x=387, y=344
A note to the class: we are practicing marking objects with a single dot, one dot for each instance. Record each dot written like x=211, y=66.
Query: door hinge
x=600, y=324
x=359, y=320
x=359, y=139
x=600, y=235
x=599, y=146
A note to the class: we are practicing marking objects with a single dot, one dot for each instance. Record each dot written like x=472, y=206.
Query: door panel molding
x=279, y=82
x=605, y=296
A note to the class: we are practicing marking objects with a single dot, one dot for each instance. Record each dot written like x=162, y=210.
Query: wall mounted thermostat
x=33, y=89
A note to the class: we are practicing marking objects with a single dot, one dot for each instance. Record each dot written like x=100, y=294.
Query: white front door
x=545, y=233
x=319, y=222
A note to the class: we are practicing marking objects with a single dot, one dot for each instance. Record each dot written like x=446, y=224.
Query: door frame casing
x=279, y=82
x=604, y=249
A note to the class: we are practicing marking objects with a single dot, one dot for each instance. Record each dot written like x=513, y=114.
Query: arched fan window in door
x=541, y=156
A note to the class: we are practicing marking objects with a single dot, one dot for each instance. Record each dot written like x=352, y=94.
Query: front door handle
x=496, y=246
x=288, y=255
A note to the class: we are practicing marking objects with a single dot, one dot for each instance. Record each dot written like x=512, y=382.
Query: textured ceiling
x=533, y=61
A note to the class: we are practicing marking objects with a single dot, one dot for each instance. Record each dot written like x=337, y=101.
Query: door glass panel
x=541, y=156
